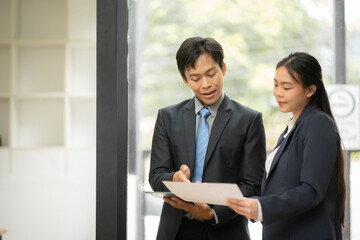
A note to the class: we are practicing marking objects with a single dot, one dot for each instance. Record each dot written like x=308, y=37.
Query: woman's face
x=290, y=95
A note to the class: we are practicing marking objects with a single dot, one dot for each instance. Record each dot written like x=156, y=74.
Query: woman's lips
x=281, y=103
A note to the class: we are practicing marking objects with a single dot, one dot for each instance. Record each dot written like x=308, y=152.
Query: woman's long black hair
x=306, y=70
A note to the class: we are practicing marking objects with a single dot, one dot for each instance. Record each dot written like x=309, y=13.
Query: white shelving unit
x=47, y=118
x=5, y=19
x=47, y=73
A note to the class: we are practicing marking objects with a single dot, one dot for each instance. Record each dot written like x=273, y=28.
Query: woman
x=303, y=189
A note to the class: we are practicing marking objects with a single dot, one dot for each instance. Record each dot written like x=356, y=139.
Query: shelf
x=82, y=123
x=5, y=19
x=40, y=95
x=82, y=19
x=4, y=122
x=41, y=19
x=82, y=68
x=39, y=43
x=4, y=42
x=47, y=74
x=4, y=69
x=40, y=69
x=38, y=123
x=83, y=95
x=47, y=114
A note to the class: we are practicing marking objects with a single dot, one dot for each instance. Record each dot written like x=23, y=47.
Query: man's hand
x=201, y=210
x=182, y=175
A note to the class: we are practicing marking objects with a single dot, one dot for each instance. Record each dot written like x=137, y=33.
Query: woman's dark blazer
x=298, y=196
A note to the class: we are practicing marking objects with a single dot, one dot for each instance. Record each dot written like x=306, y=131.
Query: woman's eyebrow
x=282, y=83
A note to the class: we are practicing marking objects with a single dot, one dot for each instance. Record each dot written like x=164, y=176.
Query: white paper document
x=211, y=193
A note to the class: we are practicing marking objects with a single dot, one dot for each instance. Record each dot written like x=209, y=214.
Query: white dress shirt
x=268, y=164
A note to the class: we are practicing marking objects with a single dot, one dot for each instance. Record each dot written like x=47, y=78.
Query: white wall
x=45, y=194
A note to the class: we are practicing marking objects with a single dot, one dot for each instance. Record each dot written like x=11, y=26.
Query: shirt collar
x=213, y=108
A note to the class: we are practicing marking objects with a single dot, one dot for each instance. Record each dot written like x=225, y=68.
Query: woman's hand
x=247, y=207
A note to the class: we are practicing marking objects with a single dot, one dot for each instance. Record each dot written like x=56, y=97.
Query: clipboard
x=160, y=194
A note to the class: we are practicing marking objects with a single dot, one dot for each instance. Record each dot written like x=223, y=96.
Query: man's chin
x=208, y=103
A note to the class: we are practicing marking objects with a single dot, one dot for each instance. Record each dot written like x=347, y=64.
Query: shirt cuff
x=260, y=214
x=215, y=216
x=214, y=220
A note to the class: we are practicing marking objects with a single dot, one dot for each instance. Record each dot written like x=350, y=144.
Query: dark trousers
x=191, y=229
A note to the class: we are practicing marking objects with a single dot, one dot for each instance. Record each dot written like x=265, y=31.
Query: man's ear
x=312, y=90
x=185, y=81
x=224, y=69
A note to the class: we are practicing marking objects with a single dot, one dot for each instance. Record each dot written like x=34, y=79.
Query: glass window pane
x=254, y=37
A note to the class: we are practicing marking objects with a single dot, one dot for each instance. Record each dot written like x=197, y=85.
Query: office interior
x=55, y=73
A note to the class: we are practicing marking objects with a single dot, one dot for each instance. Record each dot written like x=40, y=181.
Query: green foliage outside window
x=255, y=35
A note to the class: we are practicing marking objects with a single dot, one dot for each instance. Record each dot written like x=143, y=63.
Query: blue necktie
x=202, y=140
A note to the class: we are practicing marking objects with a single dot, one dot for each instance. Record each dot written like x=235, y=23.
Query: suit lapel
x=189, y=121
x=283, y=142
x=280, y=140
x=221, y=119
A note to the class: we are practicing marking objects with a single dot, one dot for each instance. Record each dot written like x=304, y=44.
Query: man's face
x=206, y=79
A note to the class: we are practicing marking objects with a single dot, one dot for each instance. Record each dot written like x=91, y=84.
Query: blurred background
x=255, y=35
x=48, y=96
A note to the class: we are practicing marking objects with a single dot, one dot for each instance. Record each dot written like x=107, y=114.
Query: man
x=233, y=150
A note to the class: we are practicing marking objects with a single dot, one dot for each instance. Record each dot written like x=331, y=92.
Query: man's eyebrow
x=193, y=74
x=196, y=74
x=211, y=69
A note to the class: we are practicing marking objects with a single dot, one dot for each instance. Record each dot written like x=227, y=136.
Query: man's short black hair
x=192, y=48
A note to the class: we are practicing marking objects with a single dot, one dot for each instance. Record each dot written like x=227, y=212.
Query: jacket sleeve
x=161, y=164
x=252, y=166
x=320, y=150
x=253, y=159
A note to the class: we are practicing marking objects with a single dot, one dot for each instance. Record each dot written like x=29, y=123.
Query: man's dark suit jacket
x=298, y=197
x=236, y=154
